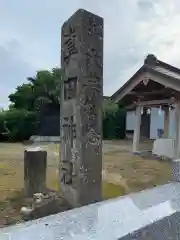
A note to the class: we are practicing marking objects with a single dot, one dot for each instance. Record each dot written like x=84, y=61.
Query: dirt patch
x=137, y=173
x=115, y=179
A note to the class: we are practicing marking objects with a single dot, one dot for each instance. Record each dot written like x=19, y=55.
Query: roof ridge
x=168, y=66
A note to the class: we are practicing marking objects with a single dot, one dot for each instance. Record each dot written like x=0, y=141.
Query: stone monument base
x=45, y=139
x=48, y=204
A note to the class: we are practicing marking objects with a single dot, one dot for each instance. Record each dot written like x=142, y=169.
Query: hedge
x=19, y=124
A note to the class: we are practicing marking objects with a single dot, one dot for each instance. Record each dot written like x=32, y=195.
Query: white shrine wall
x=157, y=122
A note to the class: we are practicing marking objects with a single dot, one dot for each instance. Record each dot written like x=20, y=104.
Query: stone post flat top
x=144, y=215
x=34, y=149
x=81, y=11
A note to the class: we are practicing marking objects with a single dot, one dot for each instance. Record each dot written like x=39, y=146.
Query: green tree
x=39, y=90
x=17, y=124
x=23, y=97
x=113, y=120
x=21, y=120
x=109, y=107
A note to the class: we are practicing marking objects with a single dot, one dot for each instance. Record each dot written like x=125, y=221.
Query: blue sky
x=30, y=37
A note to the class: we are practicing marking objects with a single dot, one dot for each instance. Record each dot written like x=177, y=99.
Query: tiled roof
x=157, y=66
x=152, y=62
x=167, y=72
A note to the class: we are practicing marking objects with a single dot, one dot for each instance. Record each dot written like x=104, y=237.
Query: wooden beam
x=130, y=85
x=168, y=82
x=153, y=92
x=151, y=103
x=157, y=102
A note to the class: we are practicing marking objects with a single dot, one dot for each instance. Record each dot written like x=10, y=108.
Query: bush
x=114, y=123
x=17, y=124
x=20, y=124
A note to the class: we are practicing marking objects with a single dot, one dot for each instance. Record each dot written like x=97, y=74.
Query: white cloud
x=30, y=36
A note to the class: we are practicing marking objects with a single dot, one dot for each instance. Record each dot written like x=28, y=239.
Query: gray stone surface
x=165, y=229
x=46, y=139
x=150, y=214
x=176, y=170
x=81, y=108
x=35, y=164
x=51, y=204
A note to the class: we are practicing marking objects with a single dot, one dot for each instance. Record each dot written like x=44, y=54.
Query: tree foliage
x=109, y=107
x=20, y=121
x=113, y=120
x=18, y=124
x=39, y=90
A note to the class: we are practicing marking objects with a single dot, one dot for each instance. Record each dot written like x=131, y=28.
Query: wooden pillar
x=145, y=124
x=177, y=129
x=166, y=122
x=136, y=136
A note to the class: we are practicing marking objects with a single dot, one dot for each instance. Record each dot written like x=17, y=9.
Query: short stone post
x=35, y=164
x=176, y=170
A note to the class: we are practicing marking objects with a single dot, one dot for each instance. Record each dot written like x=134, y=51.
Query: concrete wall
x=164, y=148
x=157, y=121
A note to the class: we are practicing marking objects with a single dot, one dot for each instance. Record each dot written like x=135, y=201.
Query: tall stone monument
x=81, y=108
